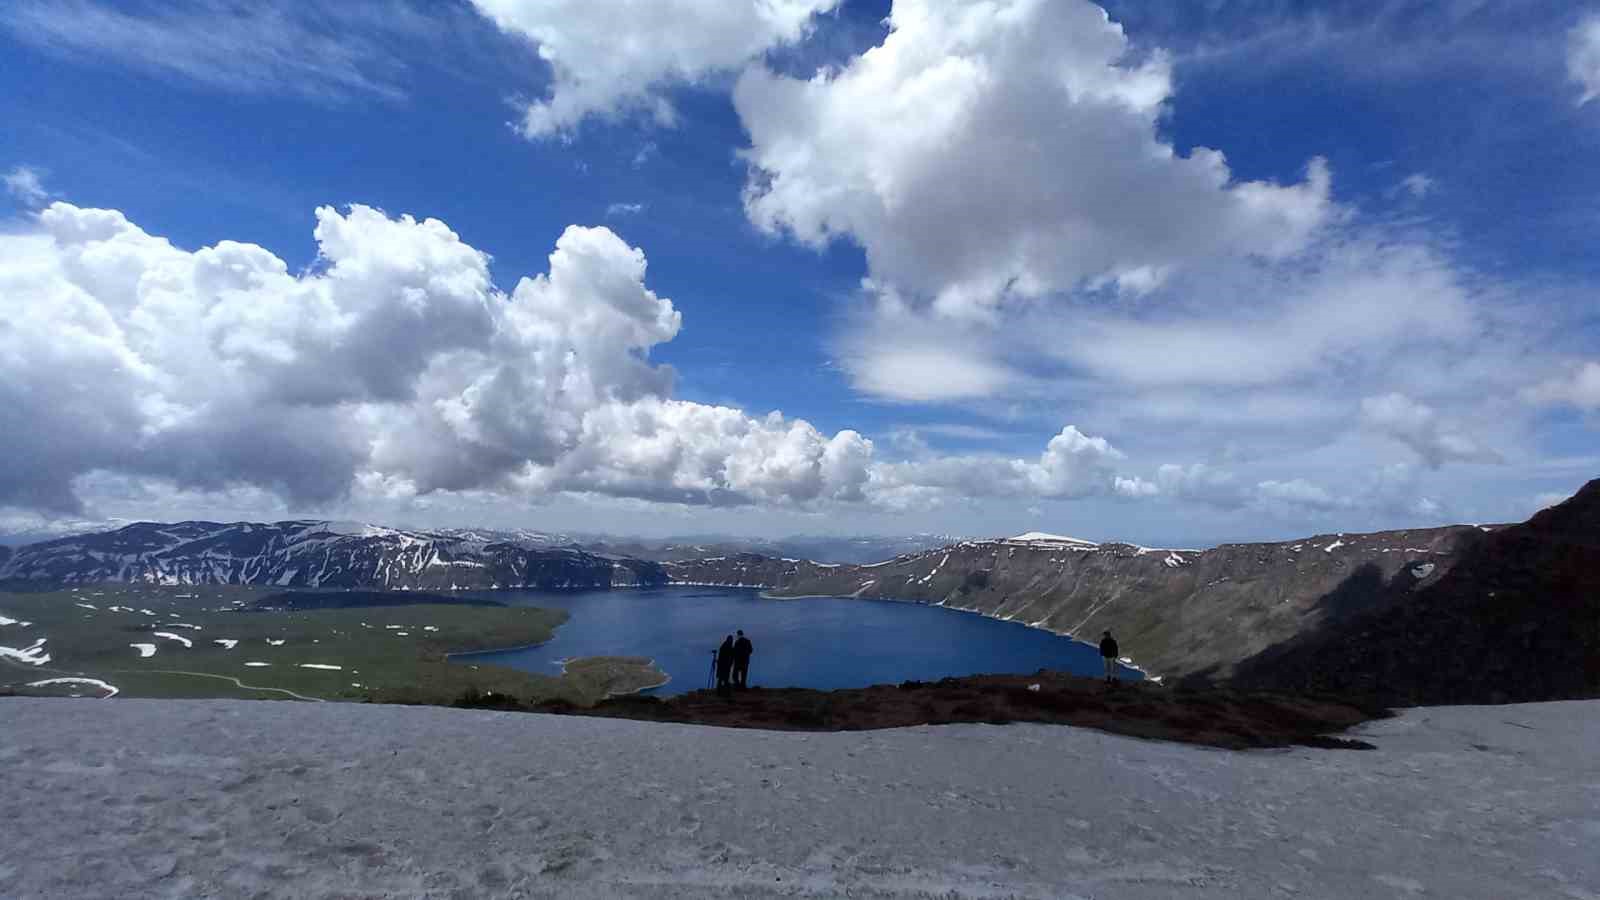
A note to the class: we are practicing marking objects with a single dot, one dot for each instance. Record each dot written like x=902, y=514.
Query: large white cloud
x=1010, y=149
x=394, y=369
x=612, y=57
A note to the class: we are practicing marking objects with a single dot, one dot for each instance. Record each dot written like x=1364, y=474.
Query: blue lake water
x=818, y=642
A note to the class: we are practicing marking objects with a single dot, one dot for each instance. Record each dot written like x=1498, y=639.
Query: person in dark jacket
x=1108, y=654
x=725, y=666
x=742, y=648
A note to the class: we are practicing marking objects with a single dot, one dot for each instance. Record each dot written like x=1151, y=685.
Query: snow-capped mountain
x=322, y=554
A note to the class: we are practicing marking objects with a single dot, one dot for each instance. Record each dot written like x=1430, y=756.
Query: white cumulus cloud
x=1003, y=150
x=394, y=370
x=1073, y=465
x=615, y=57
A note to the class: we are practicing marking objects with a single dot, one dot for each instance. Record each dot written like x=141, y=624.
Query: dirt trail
x=248, y=687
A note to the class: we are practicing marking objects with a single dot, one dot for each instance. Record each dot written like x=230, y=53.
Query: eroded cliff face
x=1175, y=612
x=318, y=554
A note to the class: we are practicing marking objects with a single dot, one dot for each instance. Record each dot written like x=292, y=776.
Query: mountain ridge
x=1517, y=619
x=319, y=554
x=1176, y=612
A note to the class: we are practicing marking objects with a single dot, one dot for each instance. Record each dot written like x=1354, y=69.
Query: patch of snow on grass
x=258, y=665
x=145, y=650
x=227, y=643
x=32, y=655
x=320, y=666
x=84, y=605
x=1333, y=546
x=275, y=643
x=402, y=634
x=111, y=690
x=6, y=620
x=430, y=628
x=174, y=637
x=184, y=625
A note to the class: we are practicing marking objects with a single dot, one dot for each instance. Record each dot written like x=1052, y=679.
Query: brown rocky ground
x=1215, y=717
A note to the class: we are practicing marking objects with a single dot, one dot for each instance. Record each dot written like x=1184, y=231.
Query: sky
x=1172, y=273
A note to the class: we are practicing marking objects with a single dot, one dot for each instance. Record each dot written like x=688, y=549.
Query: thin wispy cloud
x=1583, y=57
x=240, y=48
x=1418, y=185
x=26, y=185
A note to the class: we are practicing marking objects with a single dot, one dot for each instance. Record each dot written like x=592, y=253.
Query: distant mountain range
x=822, y=548
x=1465, y=613
x=321, y=555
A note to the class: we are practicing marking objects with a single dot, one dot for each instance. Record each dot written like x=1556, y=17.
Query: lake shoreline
x=1144, y=674
x=825, y=643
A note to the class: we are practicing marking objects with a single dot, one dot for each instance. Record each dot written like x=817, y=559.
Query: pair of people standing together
x=733, y=663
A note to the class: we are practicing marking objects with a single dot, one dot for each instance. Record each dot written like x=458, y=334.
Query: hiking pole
x=712, y=675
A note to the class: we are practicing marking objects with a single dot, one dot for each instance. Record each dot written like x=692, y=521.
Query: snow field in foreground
x=1461, y=802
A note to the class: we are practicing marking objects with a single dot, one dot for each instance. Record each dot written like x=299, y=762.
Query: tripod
x=711, y=677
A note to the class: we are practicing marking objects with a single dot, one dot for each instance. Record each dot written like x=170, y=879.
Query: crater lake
x=813, y=642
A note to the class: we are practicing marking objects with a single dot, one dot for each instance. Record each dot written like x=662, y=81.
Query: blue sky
x=1182, y=275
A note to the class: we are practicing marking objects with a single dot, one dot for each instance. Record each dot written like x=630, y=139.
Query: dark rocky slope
x=1516, y=619
x=318, y=554
x=1214, y=716
x=1176, y=612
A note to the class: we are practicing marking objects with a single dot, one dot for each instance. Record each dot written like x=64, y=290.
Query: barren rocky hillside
x=1516, y=618
x=1176, y=612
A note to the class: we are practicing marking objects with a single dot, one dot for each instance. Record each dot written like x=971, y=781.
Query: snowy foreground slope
x=238, y=798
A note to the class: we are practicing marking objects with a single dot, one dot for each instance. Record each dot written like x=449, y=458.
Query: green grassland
x=611, y=676
x=383, y=654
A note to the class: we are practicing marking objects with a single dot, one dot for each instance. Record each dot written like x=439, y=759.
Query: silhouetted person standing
x=1108, y=654
x=725, y=666
x=742, y=648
